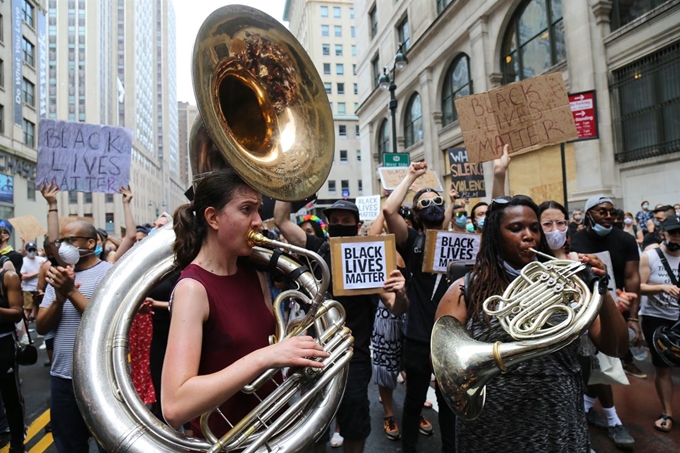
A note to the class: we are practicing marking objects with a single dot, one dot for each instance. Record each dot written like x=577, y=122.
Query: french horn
x=544, y=309
x=263, y=112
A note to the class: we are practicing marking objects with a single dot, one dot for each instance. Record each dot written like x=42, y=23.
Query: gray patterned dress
x=537, y=406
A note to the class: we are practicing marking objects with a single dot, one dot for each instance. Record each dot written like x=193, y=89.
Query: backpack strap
x=669, y=271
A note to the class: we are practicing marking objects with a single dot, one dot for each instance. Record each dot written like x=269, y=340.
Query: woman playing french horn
x=221, y=313
x=536, y=406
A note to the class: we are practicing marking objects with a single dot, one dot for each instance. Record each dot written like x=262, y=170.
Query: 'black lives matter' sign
x=83, y=157
x=443, y=247
x=362, y=264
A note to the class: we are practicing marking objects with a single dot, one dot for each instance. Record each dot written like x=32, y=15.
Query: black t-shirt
x=359, y=310
x=424, y=289
x=17, y=259
x=621, y=246
x=573, y=228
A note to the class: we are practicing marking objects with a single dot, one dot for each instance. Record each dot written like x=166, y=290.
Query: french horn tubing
x=544, y=309
x=263, y=112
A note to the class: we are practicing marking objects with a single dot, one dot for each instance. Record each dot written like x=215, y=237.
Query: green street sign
x=396, y=160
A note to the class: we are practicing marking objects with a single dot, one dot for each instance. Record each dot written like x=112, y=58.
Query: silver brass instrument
x=544, y=309
x=265, y=113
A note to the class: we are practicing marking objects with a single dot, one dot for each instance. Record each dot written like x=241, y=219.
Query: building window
x=344, y=184
x=384, y=138
x=331, y=186
x=87, y=197
x=356, y=89
x=2, y=70
x=329, y=87
x=354, y=50
x=29, y=51
x=342, y=131
x=343, y=155
x=337, y=29
x=2, y=119
x=441, y=4
x=108, y=198
x=358, y=155
x=404, y=35
x=326, y=68
x=413, y=122
x=356, y=131
x=375, y=65
x=29, y=133
x=341, y=88
x=626, y=11
x=341, y=108
x=27, y=10
x=646, y=106
x=338, y=50
x=110, y=225
x=326, y=49
x=373, y=21
x=339, y=69
x=2, y=28
x=534, y=40
x=360, y=185
x=28, y=92
x=30, y=190
x=72, y=197
x=457, y=83
x=336, y=12
x=324, y=11
x=325, y=31
x=351, y=13
x=352, y=32
x=354, y=69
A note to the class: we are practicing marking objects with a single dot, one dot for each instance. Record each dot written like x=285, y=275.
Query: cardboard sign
x=442, y=247
x=369, y=207
x=466, y=178
x=83, y=157
x=390, y=177
x=28, y=227
x=526, y=115
x=362, y=264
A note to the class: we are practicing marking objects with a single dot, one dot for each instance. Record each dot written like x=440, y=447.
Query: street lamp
x=387, y=83
x=154, y=205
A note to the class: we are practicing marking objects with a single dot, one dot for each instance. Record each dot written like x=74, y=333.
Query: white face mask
x=556, y=239
x=69, y=253
x=628, y=221
x=31, y=254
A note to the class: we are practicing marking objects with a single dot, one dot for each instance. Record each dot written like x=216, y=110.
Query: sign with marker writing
x=467, y=178
x=390, y=177
x=83, y=157
x=442, y=247
x=369, y=207
x=362, y=264
x=526, y=115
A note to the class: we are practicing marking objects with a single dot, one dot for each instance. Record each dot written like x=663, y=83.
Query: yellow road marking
x=43, y=444
x=35, y=427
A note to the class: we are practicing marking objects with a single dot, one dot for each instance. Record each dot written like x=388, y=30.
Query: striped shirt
x=65, y=333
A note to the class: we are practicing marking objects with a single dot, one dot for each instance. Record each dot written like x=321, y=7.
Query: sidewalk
x=638, y=407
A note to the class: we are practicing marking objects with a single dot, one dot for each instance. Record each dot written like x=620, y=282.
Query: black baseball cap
x=671, y=223
x=342, y=205
x=31, y=246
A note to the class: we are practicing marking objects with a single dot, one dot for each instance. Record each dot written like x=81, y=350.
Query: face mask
x=480, y=223
x=69, y=254
x=628, y=221
x=618, y=225
x=152, y=231
x=433, y=215
x=337, y=231
x=461, y=221
x=599, y=229
x=578, y=217
x=98, y=250
x=556, y=239
x=645, y=206
x=677, y=212
x=656, y=222
x=31, y=254
x=671, y=246
x=470, y=228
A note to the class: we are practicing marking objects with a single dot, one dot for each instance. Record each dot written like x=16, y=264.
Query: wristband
x=53, y=210
x=633, y=320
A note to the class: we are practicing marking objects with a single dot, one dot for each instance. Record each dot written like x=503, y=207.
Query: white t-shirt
x=661, y=305
x=30, y=266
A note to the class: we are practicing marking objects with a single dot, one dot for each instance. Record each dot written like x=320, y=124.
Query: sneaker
x=337, y=440
x=620, y=436
x=425, y=427
x=596, y=420
x=391, y=428
x=633, y=370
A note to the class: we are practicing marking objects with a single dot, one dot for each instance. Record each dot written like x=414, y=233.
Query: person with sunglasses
x=459, y=218
x=536, y=406
x=424, y=291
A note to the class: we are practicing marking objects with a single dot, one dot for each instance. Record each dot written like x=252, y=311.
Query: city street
x=636, y=404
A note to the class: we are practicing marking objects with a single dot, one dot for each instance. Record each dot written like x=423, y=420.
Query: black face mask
x=618, y=225
x=672, y=246
x=337, y=231
x=432, y=216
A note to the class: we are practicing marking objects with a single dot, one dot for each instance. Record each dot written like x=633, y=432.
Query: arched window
x=413, y=123
x=384, y=138
x=534, y=40
x=457, y=83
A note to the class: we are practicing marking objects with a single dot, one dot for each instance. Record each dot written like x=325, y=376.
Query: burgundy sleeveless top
x=239, y=323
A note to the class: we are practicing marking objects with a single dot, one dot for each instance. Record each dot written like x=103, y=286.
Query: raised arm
x=49, y=193
x=130, y=228
x=290, y=230
x=395, y=299
x=500, y=169
x=448, y=214
x=395, y=223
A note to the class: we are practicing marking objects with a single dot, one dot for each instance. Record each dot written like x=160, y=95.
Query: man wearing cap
x=597, y=237
x=653, y=239
x=7, y=253
x=29, y=279
x=424, y=292
x=353, y=415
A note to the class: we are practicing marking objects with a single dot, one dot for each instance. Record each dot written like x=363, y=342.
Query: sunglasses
x=404, y=212
x=426, y=202
x=460, y=214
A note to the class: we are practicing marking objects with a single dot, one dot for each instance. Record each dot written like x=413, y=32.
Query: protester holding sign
x=424, y=292
x=343, y=221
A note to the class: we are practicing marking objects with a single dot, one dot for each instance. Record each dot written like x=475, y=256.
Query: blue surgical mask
x=152, y=230
x=461, y=221
x=480, y=223
x=98, y=250
x=470, y=228
x=600, y=230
